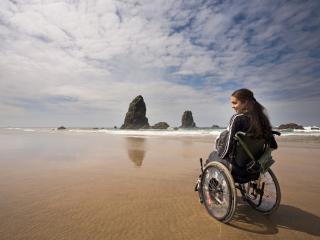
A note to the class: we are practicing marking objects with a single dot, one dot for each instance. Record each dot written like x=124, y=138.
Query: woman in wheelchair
x=251, y=119
x=242, y=160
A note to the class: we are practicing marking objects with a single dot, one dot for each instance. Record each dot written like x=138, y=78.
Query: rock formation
x=215, y=126
x=160, y=125
x=187, y=120
x=290, y=126
x=61, y=128
x=136, y=115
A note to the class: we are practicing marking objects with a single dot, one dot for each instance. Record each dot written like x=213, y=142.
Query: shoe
x=196, y=188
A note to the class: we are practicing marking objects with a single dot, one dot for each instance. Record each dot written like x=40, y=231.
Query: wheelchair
x=219, y=181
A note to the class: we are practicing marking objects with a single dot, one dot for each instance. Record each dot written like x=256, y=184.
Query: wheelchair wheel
x=217, y=190
x=264, y=194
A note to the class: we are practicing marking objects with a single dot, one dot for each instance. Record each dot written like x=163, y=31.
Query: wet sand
x=99, y=186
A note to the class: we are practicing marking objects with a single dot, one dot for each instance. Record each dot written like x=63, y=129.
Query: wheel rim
x=216, y=193
x=269, y=198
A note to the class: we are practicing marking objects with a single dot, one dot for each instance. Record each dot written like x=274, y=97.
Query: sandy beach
x=99, y=186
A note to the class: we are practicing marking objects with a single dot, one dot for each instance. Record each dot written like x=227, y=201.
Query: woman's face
x=237, y=105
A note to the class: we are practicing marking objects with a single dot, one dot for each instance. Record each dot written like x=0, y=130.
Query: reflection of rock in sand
x=136, y=150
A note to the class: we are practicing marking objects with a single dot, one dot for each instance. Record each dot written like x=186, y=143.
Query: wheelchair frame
x=217, y=191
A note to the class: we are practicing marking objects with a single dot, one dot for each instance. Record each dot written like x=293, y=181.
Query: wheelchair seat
x=240, y=158
x=241, y=175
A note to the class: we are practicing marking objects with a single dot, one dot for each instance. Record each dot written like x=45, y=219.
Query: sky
x=80, y=63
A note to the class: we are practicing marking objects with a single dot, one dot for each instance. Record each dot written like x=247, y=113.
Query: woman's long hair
x=260, y=125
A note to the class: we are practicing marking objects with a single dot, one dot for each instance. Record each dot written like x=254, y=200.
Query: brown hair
x=259, y=122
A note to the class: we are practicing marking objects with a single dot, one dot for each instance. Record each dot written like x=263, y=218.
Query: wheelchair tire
x=271, y=197
x=218, y=193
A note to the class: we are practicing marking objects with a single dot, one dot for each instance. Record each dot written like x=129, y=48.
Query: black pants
x=239, y=174
x=214, y=156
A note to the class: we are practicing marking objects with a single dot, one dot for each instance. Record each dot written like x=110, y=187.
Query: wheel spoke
x=216, y=193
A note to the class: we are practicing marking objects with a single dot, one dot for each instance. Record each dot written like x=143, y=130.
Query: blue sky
x=80, y=63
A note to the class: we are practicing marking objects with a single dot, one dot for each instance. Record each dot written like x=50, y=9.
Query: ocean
x=198, y=132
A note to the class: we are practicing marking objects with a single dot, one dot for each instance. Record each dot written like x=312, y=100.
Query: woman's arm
x=235, y=125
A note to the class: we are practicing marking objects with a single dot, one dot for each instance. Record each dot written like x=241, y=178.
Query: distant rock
x=187, y=120
x=215, y=126
x=115, y=127
x=290, y=126
x=61, y=128
x=314, y=128
x=160, y=125
x=136, y=115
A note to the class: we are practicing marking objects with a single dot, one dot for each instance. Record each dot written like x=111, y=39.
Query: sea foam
x=198, y=132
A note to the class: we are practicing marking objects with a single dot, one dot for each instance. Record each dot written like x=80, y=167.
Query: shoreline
x=198, y=133
x=306, y=141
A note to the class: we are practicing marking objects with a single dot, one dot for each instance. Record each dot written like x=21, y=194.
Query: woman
x=249, y=118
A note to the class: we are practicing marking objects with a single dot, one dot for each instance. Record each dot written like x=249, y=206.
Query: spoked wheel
x=264, y=194
x=218, y=192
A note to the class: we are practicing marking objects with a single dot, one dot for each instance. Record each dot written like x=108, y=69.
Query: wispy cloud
x=60, y=60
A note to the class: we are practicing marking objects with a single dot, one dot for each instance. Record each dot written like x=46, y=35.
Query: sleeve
x=233, y=127
x=220, y=141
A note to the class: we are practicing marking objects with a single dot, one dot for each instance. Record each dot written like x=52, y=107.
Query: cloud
x=66, y=59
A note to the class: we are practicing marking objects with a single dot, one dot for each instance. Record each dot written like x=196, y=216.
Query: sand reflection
x=136, y=150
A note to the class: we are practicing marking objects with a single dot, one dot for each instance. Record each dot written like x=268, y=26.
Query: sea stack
x=136, y=115
x=187, y=120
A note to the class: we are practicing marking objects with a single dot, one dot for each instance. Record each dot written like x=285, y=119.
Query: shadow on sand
x=287, y=217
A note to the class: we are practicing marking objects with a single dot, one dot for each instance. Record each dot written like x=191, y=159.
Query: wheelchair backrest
x=256, y=146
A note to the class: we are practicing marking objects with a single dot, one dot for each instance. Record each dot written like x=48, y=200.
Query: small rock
x=160, y=125
x=290, y=126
